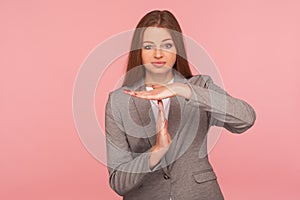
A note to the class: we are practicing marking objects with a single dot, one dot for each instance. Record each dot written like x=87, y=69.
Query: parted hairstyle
x=161, y=19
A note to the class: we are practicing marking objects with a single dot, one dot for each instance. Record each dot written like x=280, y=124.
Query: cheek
x=171, y=58
x=146, y=56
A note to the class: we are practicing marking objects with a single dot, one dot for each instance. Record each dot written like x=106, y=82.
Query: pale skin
x=158, y=47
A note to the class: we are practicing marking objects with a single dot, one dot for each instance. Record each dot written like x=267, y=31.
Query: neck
x=158, y=78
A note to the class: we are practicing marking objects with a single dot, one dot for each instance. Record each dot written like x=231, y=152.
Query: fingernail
x=125, y=90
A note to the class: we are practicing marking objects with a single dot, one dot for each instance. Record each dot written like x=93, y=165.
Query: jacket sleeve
x=224, y=110
x=126, y=169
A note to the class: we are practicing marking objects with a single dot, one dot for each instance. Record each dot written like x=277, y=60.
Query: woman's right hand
x=163, y=138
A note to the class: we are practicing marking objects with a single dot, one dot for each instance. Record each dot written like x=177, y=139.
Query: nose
x=158, y=53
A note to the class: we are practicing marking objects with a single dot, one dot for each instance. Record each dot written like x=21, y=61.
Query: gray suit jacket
x=185, y=172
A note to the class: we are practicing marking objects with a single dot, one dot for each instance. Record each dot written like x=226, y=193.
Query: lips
x=158, y=64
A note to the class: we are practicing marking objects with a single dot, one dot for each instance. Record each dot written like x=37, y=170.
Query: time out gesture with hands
x=163, y=138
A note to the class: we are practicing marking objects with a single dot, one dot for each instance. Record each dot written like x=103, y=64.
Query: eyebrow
x=153, y=42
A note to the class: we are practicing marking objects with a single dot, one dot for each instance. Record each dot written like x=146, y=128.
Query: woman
x=156, y=123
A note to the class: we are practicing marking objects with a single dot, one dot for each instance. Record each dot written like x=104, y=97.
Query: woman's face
x=158, y=50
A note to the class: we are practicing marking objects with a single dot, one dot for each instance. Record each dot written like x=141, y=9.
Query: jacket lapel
x=145, y=114
x=176, y=110
x=174, y=116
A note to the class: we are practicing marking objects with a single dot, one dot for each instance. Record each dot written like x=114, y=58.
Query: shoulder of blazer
x=200, y=80
x=116, y=99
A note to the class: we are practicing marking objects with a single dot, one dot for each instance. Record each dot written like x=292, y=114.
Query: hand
x=163, y=91
x=158, y=92
x=163, y=138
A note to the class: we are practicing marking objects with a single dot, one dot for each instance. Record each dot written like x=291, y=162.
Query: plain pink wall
x=255, y=45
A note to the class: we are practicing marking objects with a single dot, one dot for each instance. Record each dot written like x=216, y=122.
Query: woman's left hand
x=162, y=91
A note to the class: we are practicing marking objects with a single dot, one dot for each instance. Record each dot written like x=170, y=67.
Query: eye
x=167, y=46
x=148, y=47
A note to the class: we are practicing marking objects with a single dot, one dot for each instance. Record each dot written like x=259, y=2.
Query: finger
x=127, y=91
x=159, y=124
x=160, y=119
x=166, y=124
x=160, y=105
x=132, y=93
x=156, y=86
x=161, y=112
x=139, y=94
x=161, y=108
x=164, y=129
x=144, y=95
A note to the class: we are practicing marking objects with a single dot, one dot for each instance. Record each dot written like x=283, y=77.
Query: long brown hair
x=162, y=19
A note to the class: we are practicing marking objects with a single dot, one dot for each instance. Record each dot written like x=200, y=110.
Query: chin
x=158, y=70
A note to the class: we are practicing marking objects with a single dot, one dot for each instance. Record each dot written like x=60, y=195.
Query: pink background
x=255, y=45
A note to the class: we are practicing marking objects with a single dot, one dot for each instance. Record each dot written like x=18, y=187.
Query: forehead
x=156, y=34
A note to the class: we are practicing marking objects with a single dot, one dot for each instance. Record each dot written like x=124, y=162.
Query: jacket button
x=166, y=176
